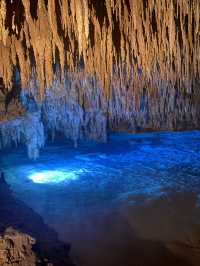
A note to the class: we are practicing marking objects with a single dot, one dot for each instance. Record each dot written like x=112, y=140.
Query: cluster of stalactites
x=142, y=39
x=27, y=130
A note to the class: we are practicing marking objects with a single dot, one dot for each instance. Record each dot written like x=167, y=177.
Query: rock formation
x=27, y=130
x=25, y=240
x=86, y=67
x=16, y=249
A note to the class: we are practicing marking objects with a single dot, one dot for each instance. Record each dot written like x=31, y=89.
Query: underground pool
x=99, y=195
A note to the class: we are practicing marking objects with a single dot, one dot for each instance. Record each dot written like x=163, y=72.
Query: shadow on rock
x=20, y=223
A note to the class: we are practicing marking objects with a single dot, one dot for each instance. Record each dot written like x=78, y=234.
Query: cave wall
x=152, y=41
x=78, y=110
x=88, y=67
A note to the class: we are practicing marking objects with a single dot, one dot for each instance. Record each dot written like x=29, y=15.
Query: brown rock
x=16, y=249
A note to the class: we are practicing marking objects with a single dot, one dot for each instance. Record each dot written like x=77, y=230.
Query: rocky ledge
x=25, y=240
x=16, y=249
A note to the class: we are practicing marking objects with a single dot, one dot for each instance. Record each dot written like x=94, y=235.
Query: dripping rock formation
x=84, y=67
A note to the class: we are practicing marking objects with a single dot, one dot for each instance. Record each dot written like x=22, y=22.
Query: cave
x=99, y=132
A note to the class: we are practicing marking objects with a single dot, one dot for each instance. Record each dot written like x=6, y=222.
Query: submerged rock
x=25, y=240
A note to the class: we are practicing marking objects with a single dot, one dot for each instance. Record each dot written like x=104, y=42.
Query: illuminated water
x=68, y=186
x=99, y=174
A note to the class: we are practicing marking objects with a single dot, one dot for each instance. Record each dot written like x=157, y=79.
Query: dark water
x=72, y=188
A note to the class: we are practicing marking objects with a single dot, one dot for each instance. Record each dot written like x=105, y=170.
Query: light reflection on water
x=56, y=176
x=81, y=182
x=138, y=163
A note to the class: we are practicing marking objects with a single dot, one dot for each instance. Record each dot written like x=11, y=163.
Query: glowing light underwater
x=54, y=176
x=127, y=164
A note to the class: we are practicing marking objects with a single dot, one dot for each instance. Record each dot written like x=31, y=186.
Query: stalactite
x=162, y=33
x=28, y=130
x=3, y=30
x=130, y=64
x=80, y=110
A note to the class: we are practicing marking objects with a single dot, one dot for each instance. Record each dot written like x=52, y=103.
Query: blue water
x=66, y=185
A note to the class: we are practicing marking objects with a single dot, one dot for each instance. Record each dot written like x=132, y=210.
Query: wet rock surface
x=25, y=240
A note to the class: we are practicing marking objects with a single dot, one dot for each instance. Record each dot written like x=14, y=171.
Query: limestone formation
x=16, y=249
x=157, y=38
x=89, y=66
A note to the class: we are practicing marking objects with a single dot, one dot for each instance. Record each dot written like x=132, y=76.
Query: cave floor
x=132, y=201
